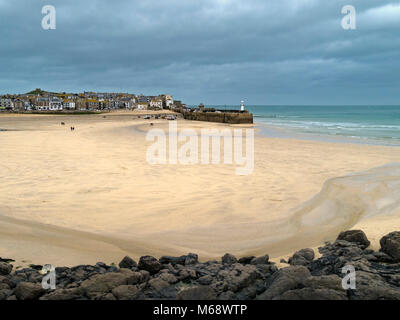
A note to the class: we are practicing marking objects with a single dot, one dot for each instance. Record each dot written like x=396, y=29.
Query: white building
x=55, y=104
x=169, y=101
x=156, y=104
x=142, y=105
x=69, y=105
x=6, y=104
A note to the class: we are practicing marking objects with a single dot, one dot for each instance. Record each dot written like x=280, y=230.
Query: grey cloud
x=271, y=52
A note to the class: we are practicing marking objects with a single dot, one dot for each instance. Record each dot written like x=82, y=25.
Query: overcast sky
x=210, y=51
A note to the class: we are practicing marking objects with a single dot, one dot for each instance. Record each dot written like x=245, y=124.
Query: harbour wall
x=222, y=117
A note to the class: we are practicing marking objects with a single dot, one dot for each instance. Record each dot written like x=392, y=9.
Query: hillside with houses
x=43, y=101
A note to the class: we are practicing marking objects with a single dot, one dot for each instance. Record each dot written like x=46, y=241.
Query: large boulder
x=29, y=291
x=229, y=259
x=302, y=257
x=237, y=277
x=260, y=260
x=286, y=279
x=191, y=259
x=169, y=277
x=246, y=260
x=6, y=283
x=5, y=268
x=126, y=292
x=371, y=286
x=160, y=289
x=103, y=283
x=150, y=264
x=128, y=263
x=355, y=236
x=332, y=282
x=173, y=260
x=390, y=244
x=5, y=293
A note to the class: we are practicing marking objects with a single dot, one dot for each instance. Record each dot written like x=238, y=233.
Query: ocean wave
x=339, y=125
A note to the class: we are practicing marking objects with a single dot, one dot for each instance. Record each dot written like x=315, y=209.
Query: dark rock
x=383, y=257
x=6, y=260
x=158, y=284
x=239, y=277
x=355, y=236
x=108, y=297
x=247, y=293
x=377, y=276
x=332, y=282
x=260, y=260
x=161, y=289
x=227, y=295
x=101, y=265
x=5, y=293
x=286, y=279
x=128, y=263
x=186, y=274
x=390, y=244
x=7, y=281
x=150, y=264
x=267, y=269
x=29, y=291
x=173, y=260
x=191, y=259
x=5, y=268
x=138, y=277
x=246, y=260
x=61, y=270
x=229, y=259
x=206, y=280
x=145, y=275
x=104, y=283
x=36, y=267
x=4, y=286
x=302, y=257
x=371, y=286
x=170, y=278
x=260, y=286
x=126, y=292
x=197, y=293
x=335, y=256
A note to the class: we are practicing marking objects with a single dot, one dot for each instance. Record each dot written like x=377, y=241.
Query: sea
x=355, y=124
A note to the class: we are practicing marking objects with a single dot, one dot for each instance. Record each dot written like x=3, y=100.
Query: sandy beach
x=69, y=198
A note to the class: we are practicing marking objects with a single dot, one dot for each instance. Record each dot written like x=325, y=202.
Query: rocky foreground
x=185, y=278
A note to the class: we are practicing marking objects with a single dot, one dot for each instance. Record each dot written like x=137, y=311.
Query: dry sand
x=79, y=197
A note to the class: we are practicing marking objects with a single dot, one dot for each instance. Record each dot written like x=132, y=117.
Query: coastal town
x=43, y=101
x=39, y=101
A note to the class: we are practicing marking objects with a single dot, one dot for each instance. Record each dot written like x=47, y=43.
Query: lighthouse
x=242, y=106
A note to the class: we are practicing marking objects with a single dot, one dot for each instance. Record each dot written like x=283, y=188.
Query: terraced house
x=6, y=104
x=156, y=103
x=39, y=100
x=55, y=104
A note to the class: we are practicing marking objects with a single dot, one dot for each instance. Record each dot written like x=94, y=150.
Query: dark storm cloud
x=270, y=52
